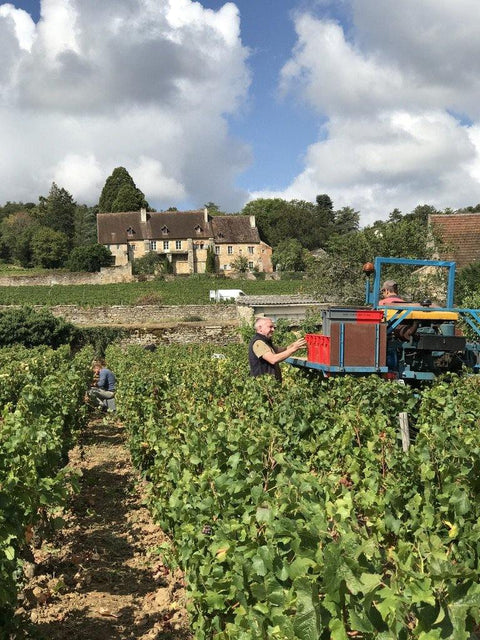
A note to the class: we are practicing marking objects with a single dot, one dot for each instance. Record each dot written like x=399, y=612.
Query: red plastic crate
x=318, y=348
x=369, y=315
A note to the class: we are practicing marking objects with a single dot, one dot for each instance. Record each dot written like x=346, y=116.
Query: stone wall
x=107, y=275
x=145, y=315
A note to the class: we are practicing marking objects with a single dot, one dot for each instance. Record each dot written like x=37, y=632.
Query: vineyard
x=180, y=291
x=41, y=393
x=294, y=511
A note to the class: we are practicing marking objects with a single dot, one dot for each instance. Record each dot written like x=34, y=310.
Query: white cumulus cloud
x=397, y=96
x=144, y=84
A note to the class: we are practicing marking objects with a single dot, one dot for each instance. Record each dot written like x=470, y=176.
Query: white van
x=217, y=295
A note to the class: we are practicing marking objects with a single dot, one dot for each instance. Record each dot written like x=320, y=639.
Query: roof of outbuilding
x=460, y=233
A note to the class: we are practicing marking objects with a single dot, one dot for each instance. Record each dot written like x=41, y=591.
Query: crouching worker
x=102, y=392
x=264, y=357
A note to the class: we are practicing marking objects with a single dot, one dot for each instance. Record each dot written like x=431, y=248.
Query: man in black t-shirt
x=264, y=357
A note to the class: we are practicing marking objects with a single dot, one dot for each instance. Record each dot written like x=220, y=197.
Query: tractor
x=372, y=339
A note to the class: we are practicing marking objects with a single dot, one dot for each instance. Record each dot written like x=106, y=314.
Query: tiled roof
x=117, y=228
x=460, y=233
x=234, y=229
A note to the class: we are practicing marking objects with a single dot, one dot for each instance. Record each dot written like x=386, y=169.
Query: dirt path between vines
x=101, y=577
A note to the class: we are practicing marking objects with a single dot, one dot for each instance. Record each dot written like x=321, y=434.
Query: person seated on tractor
x=102, y=393
x=390, y=295
x=405, y=330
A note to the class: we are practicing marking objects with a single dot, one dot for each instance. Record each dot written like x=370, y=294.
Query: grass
x=181, y=291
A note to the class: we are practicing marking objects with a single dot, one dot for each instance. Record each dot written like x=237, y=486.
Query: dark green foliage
x=33, y=328
x=211, y=261
x=99, y=338
x=150, y=264
x=468, y=282
x=294, y=507
x=49, y=248
x=17, y=230
x=85, y=222
x=401, y=236
x=289, y=256
x=311, y=224
x=57, y=211
x=120, y=193
x=90, y=258
x=42, y=412
x=14, y=207
x=240, y=264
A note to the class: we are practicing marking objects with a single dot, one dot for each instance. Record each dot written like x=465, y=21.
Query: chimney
x=205, y=215
x=143, y=215
x=252, y=222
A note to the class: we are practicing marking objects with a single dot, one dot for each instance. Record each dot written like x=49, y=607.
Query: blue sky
x=374, y=102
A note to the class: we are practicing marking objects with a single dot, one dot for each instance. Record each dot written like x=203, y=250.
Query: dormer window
x=198, y=229
x=220, y=235
x=164, y=230
x=130, y=232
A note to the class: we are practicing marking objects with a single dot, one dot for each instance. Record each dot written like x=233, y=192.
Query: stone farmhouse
x=460, y=236
x=184, y=237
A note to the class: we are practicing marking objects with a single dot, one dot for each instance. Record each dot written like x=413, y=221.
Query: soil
x=102, y=575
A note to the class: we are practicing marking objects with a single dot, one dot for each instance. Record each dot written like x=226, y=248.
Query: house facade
x=184, y=237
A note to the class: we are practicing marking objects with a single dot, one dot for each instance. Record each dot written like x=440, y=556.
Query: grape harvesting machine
x=373, y=339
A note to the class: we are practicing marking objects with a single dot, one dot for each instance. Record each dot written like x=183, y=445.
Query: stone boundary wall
x=106, y=275
x=143, y=315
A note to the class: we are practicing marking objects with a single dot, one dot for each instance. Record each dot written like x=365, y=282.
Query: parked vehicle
x=218, y=295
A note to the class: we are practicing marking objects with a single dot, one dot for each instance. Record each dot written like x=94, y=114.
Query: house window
x=130, y=231
x=226, y=267
x=178, y=244
x=118, y=246
x=198, y=229
x=250, y=265
x=166, y=245
x=153, y=245
x=108, y=247
x=230, y=250
x=164, y=230
x=250, y=250
x=217, y=251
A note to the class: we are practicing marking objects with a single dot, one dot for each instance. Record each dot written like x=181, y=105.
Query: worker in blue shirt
x=102, y=392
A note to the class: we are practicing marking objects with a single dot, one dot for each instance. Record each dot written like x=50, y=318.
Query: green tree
x=49, y=248
x=211, y=261
x=289, y=256
x=346, y=220
x=85, y=225
x=15, y=207
x=90, y=258
x=33, y=328
x=120, y=193
x=16, y=235
x=279, y=220
x=151, y=263
x=57, y=211
x=240, y=264
x=214, y=209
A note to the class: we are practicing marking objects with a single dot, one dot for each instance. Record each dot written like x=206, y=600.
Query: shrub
x=33, y=328
x=90, y=257
x=150, y=264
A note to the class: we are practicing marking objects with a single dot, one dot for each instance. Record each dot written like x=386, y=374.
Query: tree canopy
x=57, y=211
x=120, y=193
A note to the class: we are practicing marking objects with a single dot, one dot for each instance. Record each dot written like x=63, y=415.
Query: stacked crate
x=351, y=338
